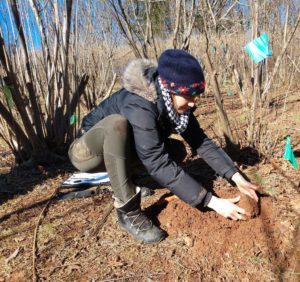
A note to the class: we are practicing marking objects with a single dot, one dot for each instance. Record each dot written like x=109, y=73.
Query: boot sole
x=141, y=241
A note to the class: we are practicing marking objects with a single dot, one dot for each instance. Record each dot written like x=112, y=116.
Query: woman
x=135, y=122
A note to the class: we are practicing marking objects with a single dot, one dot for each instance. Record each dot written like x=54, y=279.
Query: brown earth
x=200, y=246
x=251, y=207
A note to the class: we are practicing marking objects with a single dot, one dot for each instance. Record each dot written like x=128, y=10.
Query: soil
x=200, y=245
x=251, y=207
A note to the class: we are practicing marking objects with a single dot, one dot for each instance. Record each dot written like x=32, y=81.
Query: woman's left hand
x=245, y=186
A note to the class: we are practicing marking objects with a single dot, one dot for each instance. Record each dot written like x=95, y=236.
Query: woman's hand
x=245, y=186
x=226, y=207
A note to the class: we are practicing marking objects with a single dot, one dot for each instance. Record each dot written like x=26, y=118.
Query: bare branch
x=279, y=58
x=177, y=23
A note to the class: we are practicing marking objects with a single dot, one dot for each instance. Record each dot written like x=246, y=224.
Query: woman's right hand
x=227, y=207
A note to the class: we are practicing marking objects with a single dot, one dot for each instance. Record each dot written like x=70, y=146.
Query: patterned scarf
x=180, y=121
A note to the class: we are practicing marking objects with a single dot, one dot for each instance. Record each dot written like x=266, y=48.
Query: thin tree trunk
x=149, y=27
x=177, y=23
x=256, y=85
x=28, y=73
x=125, y=28
x=218, y=96
x=79, y=91
x=46, y=56
x=189, y=27
x=12, y=81
x=15, y=127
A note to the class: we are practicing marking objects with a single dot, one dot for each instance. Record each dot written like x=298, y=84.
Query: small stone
x=188, y=241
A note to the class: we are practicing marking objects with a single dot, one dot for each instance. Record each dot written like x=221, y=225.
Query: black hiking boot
x=133, y=220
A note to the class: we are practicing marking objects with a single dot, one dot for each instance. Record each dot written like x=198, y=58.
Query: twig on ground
x=53, y=269
x=101, y=222
x=63, y=265
x=134, y=276
x=34, y=245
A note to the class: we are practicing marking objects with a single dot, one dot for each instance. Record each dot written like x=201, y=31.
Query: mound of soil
x=251, y=207
x=208, y=236
x=211, y=234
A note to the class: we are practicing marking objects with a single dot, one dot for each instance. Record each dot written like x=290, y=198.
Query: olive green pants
x=108, y=146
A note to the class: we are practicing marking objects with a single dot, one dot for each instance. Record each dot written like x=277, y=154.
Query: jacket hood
x=136, y=78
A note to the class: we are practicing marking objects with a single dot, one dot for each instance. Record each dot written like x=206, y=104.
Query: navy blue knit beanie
x=180, y=73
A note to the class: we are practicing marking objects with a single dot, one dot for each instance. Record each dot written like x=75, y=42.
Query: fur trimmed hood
x=134, y=79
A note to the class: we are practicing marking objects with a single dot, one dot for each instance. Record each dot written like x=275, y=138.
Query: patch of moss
x=6, y=232
x=45, y=231
x=257, y=259
x=273, y=192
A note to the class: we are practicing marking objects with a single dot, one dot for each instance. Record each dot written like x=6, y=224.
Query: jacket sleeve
x=152, y=152
x=212, y=154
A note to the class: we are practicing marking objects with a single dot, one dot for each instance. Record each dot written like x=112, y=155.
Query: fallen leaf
x=13, y=255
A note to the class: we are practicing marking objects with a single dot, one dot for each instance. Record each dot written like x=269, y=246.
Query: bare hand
x=226, y=207
x=245, y=186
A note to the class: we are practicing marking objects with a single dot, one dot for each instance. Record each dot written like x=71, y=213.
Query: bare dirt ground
x=201, y=245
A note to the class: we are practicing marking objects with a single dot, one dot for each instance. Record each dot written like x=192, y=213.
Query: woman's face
x=182, y=103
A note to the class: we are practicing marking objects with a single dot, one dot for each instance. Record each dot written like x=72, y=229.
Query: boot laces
x=137, y=224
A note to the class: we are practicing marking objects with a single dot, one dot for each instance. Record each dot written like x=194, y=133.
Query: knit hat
x=180, y=73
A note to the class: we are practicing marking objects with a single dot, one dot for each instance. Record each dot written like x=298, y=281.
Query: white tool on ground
x=83, y=179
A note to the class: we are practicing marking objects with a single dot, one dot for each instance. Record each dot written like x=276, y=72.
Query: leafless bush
x=45, y=85
x=48, y=86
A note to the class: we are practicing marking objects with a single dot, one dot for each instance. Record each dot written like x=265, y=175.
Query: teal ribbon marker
x=289, y=154
x=229, y=93
x=259, y=49
x=73, y=119
x=223, y=47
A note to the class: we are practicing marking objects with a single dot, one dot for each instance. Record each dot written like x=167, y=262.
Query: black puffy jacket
x=142, y=105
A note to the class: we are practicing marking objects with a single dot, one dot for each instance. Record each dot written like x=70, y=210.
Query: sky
x=30, y=28
x=9, y=29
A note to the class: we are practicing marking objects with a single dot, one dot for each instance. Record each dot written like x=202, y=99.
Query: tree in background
x=45, y=70
x=61, y=58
